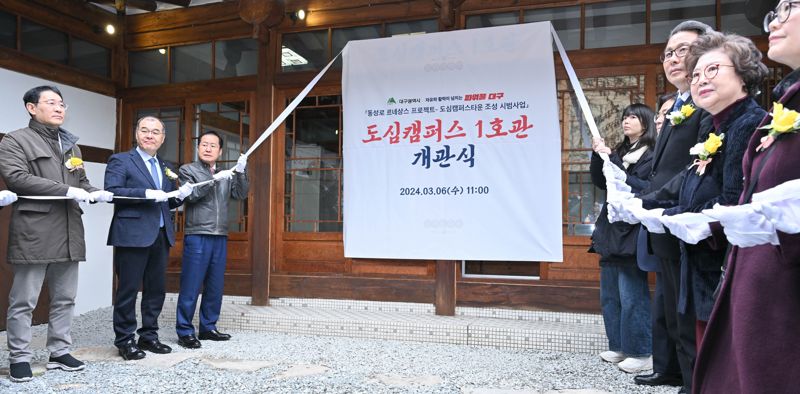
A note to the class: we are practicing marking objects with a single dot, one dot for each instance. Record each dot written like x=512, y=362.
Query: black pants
x=665, y=356
x=680, y=326
x=145, y=267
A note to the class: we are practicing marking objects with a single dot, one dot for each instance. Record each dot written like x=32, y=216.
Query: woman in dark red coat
x=751, y=343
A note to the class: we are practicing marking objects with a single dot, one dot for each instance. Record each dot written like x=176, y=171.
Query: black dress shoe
x=129, y=351
x=214, y=335
x=683, y=391
x=658, y=379
x=154, y=346
x=189, y=342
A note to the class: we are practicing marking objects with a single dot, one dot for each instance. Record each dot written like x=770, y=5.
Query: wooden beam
x=352, y=288
x=560, y=296
x=181, y=91
x=26, y=64
x=445, y=301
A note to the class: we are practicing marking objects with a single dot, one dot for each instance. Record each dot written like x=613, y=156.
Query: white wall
x=92, y=117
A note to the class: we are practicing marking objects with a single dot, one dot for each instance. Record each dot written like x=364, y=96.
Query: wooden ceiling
x=138, y=6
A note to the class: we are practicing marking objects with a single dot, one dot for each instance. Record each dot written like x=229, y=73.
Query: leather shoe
x=189, y=342
x=154, y=346
x=658, y=379
x=129, y=351
x=214, y=335
x=683, y=391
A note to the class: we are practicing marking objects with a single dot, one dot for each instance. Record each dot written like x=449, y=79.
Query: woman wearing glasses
x=624, y=294
x=751, y=340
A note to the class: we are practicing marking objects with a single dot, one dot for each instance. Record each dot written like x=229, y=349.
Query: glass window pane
x=304, y=51
x=235, y=58
x=90, y=57
x=733, y=19
x=148, y=67
x=342, y=36
x=44, y=42
x=566, y=21
x=8, y=30
x=488, y=20
x=411, y=27
x=665, y=14
x=614, y=24
x=313, y=184
x=191, y=62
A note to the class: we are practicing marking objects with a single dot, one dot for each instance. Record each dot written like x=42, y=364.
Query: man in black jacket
x=679, y=134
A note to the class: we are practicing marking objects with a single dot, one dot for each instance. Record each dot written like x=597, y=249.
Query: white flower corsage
x=170, y=175
x=74, y=163
x=677, y=117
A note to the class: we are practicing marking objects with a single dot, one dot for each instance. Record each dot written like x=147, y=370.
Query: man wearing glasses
x=45, y=237
x=205, y=244
x=141, y=232
x=673, y=318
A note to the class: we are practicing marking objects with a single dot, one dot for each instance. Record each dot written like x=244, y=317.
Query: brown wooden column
x=260, y=241
x=445, y=299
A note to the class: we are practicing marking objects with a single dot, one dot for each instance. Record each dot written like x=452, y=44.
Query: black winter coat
x=616, y=242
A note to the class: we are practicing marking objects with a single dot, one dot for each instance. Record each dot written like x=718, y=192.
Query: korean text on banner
x=452, y=146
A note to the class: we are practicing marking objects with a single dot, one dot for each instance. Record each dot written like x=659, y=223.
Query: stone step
x=493, y=327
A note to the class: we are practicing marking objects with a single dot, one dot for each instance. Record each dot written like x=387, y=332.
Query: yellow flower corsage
x=170, y=175
x=74, y=163
x=783, y=121
x=677, y=117
x=704, y=151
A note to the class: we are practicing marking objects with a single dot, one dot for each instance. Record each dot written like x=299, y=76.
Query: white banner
x=452, y=146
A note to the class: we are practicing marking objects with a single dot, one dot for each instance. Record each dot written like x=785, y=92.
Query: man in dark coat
x=672, y=157
x=45, y=238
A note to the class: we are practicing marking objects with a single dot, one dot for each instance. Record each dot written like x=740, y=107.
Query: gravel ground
x=306, y=364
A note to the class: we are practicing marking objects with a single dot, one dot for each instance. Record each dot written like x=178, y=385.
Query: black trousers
x=665, y=356
x=680, y=326
x=135, y=267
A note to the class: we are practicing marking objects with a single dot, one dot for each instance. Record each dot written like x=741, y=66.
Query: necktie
x=678, y=104
x=154, y=174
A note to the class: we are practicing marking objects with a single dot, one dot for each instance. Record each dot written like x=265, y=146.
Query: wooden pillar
x=445, y=301
x=260, y=179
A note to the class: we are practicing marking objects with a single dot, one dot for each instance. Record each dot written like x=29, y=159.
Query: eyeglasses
x=659, y=115
x=54, y=104
x=680, y=51
x=710, y=72
x=206, y=145
x=155, y=133
x=781, y=13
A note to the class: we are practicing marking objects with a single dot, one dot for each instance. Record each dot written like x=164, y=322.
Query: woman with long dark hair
x=624, y=292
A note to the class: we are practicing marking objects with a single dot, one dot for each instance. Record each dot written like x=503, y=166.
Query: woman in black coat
x=624, y=292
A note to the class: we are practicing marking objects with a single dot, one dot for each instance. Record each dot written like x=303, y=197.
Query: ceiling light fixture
x=110, y=29
x=298, y=15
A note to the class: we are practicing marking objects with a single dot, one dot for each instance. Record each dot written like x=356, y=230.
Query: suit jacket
x=670, y=158
x=136, y=222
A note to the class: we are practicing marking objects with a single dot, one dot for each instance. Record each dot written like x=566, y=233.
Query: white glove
x=651, y=218
x=241, y=163
x=783, y=214
x=780, y=192
x=743, y=226
x=611, y=171
x=101, y=196
x=614, y=214
x=620, y=186
x=690, y=227
x=7, y=197
x=224, y=174
x=185, y=190
x=158, y=195
x=627, y=209
x=79, y=194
